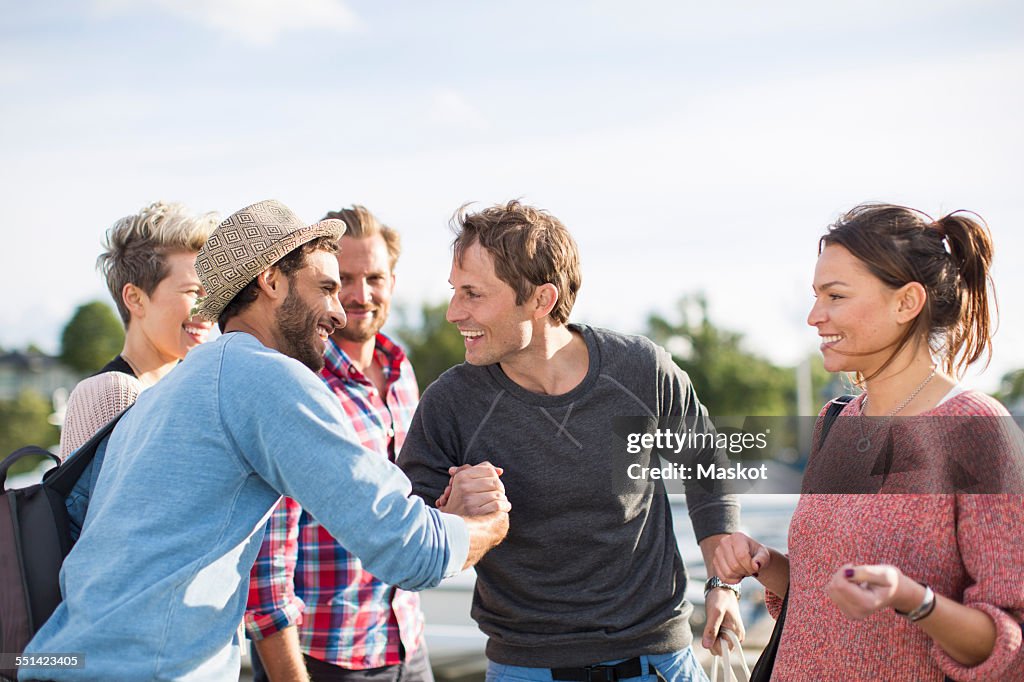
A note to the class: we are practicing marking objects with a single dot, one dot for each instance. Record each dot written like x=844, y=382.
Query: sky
x=688, y=146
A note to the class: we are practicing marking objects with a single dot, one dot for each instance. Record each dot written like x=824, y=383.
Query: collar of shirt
x=386, y=353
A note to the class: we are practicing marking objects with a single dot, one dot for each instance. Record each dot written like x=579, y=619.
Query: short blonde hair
x=135, y=248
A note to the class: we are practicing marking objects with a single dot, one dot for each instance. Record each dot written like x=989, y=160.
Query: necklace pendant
x=863, y=444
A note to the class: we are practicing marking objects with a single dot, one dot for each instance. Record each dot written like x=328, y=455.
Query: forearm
x=282, y=657
x=775, y=576
x=967, y=635
x=707, y=548
x=485, y=533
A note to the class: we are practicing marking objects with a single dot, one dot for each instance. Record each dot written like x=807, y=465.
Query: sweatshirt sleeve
x=431, y=446
x=289, y=428
x=711, y=512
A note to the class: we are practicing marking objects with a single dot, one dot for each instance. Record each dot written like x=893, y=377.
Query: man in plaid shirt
x=311, y=602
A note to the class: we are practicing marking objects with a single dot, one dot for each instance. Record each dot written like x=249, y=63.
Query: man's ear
x=272, y=283
x=544, y=299
x=135, y=299
x=910, y=301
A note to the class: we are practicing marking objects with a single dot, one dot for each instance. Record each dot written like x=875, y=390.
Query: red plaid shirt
x=303, y=577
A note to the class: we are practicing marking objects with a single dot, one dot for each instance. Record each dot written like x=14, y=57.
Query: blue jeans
x=680, y=666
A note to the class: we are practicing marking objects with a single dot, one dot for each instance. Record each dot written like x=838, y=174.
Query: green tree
x=1011, y=388
x=433, y=345
x=91, y=337
x=25, y=421
x=729, y=380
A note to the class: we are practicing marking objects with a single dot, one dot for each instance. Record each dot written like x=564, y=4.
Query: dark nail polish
x=848, y=573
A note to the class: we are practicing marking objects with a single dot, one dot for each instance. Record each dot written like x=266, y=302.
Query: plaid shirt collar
x=338, y=365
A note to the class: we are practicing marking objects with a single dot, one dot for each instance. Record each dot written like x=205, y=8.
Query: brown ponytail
x=969, y=334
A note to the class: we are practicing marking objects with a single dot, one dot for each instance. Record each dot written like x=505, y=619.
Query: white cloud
x=451, y=109
x=258, y=22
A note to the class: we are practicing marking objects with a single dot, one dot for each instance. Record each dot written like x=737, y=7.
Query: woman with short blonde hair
x=148, y=261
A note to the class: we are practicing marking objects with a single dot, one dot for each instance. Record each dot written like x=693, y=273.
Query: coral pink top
x=967, y=547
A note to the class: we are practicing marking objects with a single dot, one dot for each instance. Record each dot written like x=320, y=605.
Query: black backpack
x=35, y=536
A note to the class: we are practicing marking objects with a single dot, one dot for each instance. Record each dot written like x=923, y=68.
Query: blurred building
x=33, y=370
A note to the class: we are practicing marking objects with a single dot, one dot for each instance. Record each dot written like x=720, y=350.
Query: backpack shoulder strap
x=63, y=478
x=834, y=408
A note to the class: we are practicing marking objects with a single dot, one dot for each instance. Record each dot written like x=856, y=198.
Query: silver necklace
x=864, y=443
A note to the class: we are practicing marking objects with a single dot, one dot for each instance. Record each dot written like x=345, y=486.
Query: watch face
x=715, y=581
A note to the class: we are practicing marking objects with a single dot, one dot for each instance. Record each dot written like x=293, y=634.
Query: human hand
x=722, y=608
x=860, y=591
x=443, y=500
x=474, y=490
x=739, y=555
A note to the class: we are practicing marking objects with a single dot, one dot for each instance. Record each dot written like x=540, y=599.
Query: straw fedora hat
x=248, y=242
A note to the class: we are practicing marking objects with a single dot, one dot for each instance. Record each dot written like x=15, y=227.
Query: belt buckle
x=605, y=673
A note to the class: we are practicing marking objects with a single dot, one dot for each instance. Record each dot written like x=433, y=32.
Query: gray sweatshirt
x=587, y=573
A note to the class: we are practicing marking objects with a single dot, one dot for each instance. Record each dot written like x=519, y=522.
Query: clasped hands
x=474, y=490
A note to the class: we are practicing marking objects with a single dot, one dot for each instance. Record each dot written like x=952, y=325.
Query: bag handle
x=729, y=641
x=21, y=453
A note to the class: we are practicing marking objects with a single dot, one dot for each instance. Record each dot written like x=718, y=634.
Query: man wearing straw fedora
x=156, y=586
x=310, y=599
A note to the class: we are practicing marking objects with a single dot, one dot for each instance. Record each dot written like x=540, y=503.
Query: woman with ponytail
x=899, y=586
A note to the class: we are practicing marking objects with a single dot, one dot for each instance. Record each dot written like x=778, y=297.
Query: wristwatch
x=714, y=581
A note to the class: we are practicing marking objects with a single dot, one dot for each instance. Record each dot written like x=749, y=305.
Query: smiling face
x=311, y=311
x=367, y=283
x=484, y=309
x=855, y=313
x=165, y=318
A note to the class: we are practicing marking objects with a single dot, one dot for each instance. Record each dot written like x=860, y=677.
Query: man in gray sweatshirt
x=589, y=584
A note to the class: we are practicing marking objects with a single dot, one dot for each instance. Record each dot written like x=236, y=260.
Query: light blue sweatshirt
x=156, y=586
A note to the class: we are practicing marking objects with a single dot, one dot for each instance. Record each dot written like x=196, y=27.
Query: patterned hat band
x=248, y=242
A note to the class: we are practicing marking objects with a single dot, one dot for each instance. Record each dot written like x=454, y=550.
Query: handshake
x=474, y=490
x=477, y=494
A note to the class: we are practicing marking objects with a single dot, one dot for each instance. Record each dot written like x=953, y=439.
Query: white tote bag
x=728, y=658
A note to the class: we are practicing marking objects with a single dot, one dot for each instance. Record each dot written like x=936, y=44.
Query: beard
x=296, y=322
x=363, y=331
